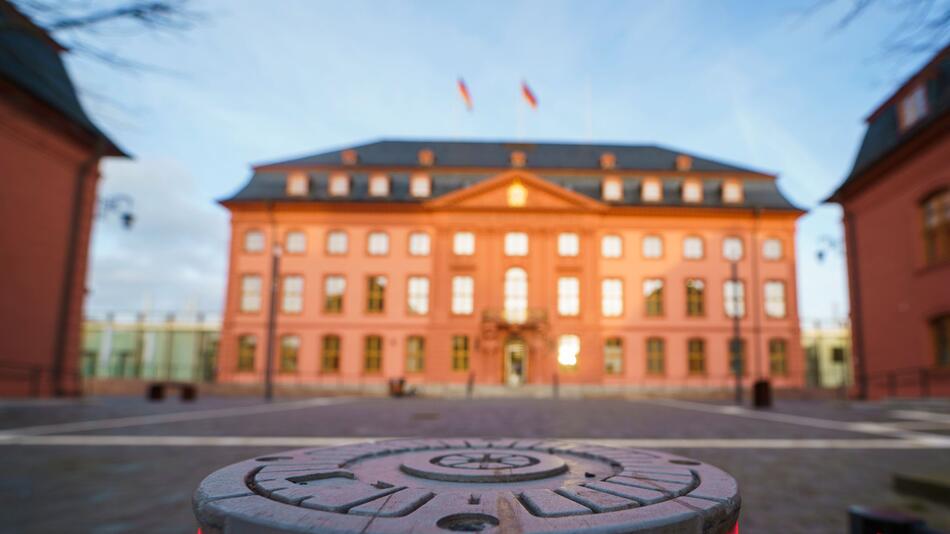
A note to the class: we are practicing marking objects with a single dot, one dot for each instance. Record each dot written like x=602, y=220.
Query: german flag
x=466, y=96
x=529, y=95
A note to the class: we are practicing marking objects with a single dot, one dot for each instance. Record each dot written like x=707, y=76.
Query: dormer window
x=608, y=161
x=651, y=190
x=339, y=185
x=612, y=189
x=732, y=191
x=426, y=157
x=420, y=185
x=298, y=184
x=518, y=159
x=349, y=157
x=684, y=162
x=378, y=185
x=692, y=190
x=913, y=107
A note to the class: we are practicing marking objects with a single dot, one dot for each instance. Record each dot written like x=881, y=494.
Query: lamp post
x=272, y=322
x=735, y=344
x=120, y=203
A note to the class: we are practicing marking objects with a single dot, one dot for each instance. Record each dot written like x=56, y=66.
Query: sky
x=768, y=85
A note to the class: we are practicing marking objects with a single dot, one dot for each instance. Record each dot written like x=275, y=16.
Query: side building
x=511, y=264
x=896, y=203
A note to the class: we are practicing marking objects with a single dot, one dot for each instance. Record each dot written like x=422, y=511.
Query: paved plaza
x=125, y=465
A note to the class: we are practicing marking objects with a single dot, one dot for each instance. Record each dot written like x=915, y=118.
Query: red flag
x=466, y=96
x=528, y=95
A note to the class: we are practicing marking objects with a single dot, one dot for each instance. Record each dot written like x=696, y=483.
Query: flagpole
x=589, y=110
x=521, y=106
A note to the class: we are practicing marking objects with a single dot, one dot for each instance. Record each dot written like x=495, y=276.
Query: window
x=419, y=244
x=418, y=289
x=693, y=248
x=378, y=185
x=297, y=184
x=339, y=185
x=568, y=296
x=653, y=293
x=250, y=293
x=333, y=288
x=655, y=349
x=516, y=295
x=941, y=335
x=568, y=245
x=289, y=347
x=737, y=356
x=247, y=347
x=733, y=298
x=651, y=190
x=330, y=359
x=415, y=354
x=420, y=185
x=517, y=194
x=568, y=349
x=611, y=246
x=612, y=188
x=772, y=249
x=732, y=248
x=463, y=295
x=611, y=297
x=296, y=242
x=337, y=243
x=375, y=294
x=732, y=191
x=516, y=244
x=377, y=244
x=913, y=107
x=775, y=299
x=463, y=243
x=460, y=353
x=695, y=297
x=778, y=357
x=253, y=241
x=652, y=246
x=292, y=292
x=373, y=354
x=613, y=356
x=936, y=215
x=692, y=191
x=696, y=356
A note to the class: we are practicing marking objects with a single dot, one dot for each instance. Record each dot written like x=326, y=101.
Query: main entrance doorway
x=516, y=361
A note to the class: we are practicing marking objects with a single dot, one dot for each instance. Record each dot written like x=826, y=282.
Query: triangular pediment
x=516, y=190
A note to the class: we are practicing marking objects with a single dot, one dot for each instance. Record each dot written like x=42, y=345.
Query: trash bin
x=465, y=485
x=762, y=394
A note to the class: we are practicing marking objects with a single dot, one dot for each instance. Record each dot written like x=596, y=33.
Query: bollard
x=155, y=392
x=189, y=392
x=466, y=485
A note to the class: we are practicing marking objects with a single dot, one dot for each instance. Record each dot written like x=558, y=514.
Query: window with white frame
x=732, y=248
x=296, y=242
x=463, y=243
x=651, y=190
x=772, y=249
x=337, y=242
x=253, y=241
x=612, y=188
x=568, y=244
x=250, y=293
x=611, y=246
x=463, y=295
x=652, y=246
x=568, y=296
x=732, y=191
x=339, y=185
x=418, y=298
x=611, y=297
x=913, y=107
x=377, y=244
x=378, y=185
x=775, y=299
x=333, y=288
x=292, y=293
x=516, y=244
x=516, y=295
x=419, y=244
x=420, y=185
x=568, y=349
x=733, y=298
x=692, y=191
x=298, y=185
x=693, y=247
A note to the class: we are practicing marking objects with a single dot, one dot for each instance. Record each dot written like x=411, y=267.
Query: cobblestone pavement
x=799, y=466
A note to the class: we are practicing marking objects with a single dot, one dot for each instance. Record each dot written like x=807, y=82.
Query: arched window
x=516, y=295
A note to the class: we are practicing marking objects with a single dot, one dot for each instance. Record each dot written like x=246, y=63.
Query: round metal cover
x=468, y=485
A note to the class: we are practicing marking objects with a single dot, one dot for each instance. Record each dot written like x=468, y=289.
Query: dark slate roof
x=481, y=154
x=29, y=59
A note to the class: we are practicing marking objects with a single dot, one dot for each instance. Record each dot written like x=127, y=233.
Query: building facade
x=49, y=169
x=511, y=264
x=827, y=354
x=896, y=204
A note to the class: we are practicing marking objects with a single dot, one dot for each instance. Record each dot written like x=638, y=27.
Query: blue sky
x=758, y=83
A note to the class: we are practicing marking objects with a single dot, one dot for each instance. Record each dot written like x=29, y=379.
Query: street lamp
x=736, y=343
x=120, y=203
x=272, y=321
